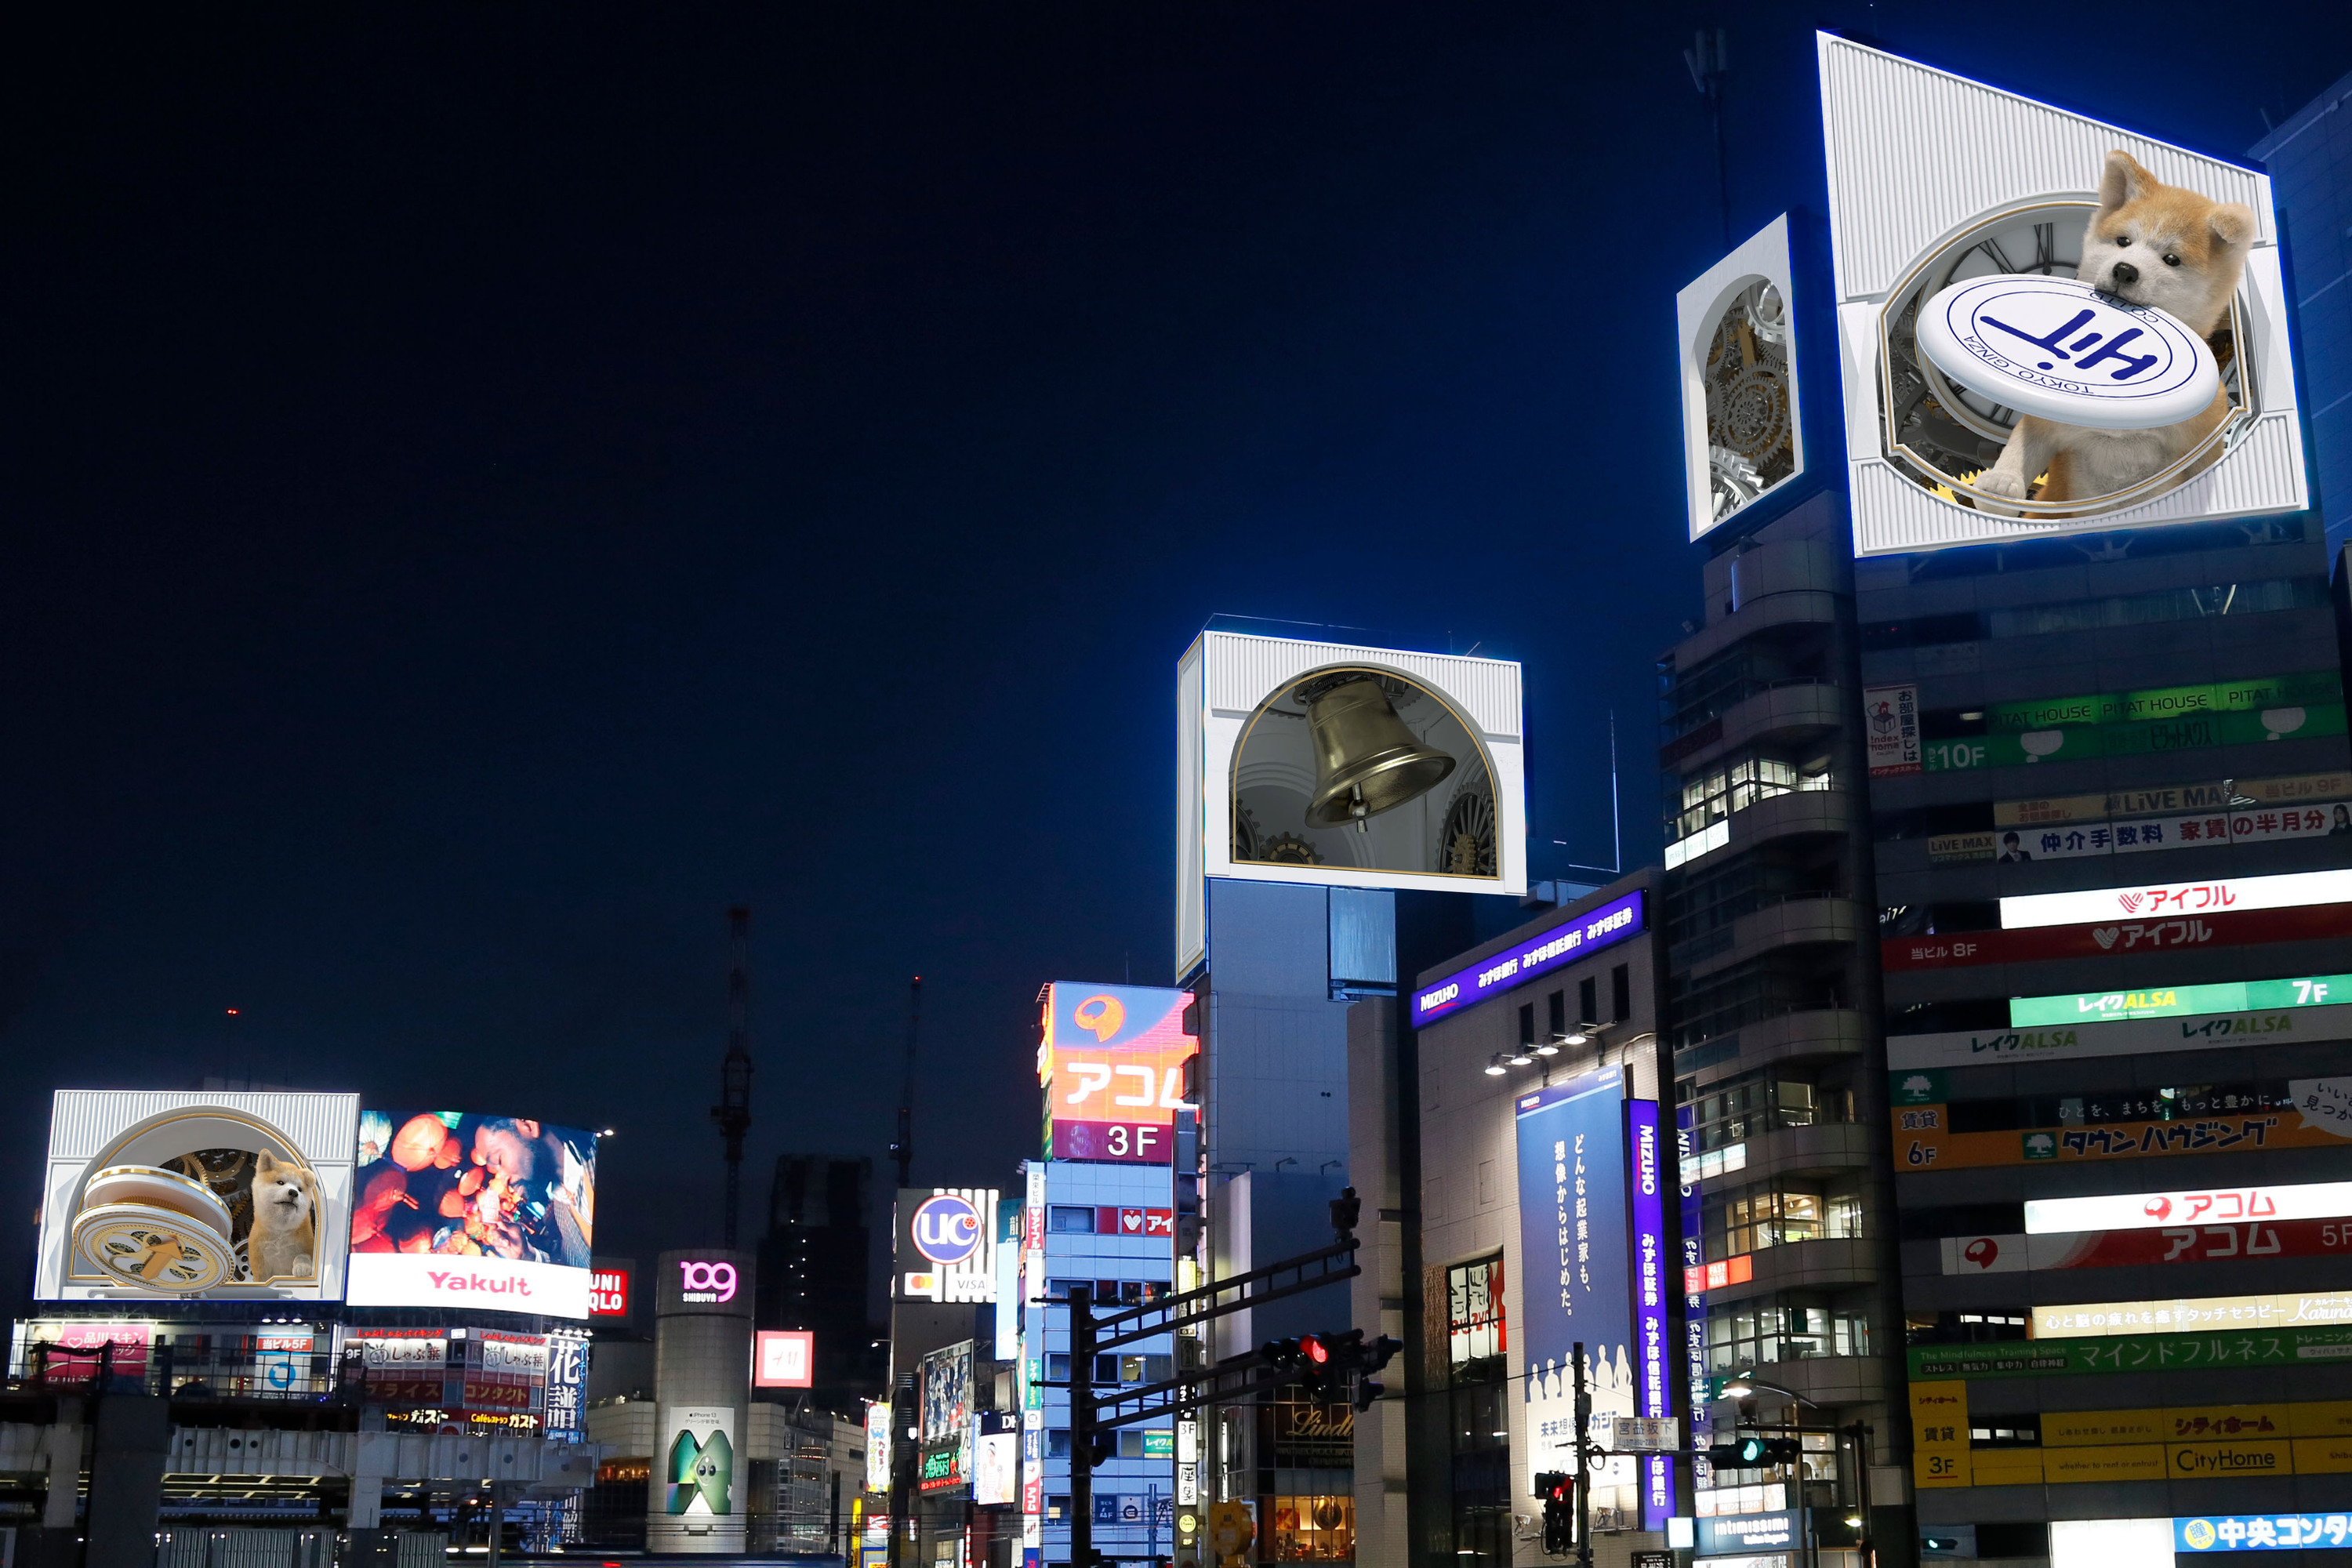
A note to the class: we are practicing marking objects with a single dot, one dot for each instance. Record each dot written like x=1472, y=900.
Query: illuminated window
x=1474, y=1311
x=1313, y=1528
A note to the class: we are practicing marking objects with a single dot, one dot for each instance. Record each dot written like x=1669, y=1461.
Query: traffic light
x=1102, y=1448
x=1370, y=1358
x=1320, y=1368
x=1754, y=1450
x=1346, y=1210
x=1557, y=1490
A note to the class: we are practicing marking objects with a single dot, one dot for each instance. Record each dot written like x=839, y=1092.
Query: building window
x=1058, y=1367
x=1057, y=1442
x=1474, y=1311
x=1750, y=1333
x=1755, y=1103
x=1528, y=1023
x=1766, y=1213
x=1620, y=993
x=1070, y=1219
x=1058, y=1508
x=1588, y=1000
x=1315, y=1528
x=1708, y=797
x=1556, y=1009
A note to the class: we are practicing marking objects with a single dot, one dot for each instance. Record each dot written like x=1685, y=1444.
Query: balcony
x=1783, y=713
x=1833, y=1264
x=1796, y=814
x=1806, y=1035
x=1823, y=1150
x=1792, y=920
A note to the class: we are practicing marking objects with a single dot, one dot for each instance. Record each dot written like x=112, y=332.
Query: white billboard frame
x=1888, y=123
x=91, y=1129
x=1223, y=680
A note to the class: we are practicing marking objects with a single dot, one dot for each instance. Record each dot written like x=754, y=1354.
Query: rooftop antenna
x=1616, y=822
x=902, y=1147
x=733, y=1111
x=1709, y=61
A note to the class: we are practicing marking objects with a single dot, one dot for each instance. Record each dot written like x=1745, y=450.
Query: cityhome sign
x=705, y=1282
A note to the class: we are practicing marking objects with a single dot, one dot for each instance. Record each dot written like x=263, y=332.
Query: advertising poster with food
x=454, y=1209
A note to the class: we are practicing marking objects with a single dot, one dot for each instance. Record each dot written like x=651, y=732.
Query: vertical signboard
x=1572, y=1236
x=1890, y=730
x=1693, y=1266
x=567, y=1377
x=1652, y=1381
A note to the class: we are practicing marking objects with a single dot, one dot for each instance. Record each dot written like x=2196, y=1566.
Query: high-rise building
x=1772, y=1012
x=2309, y=159
x=2009, y=873
x=815, y=1264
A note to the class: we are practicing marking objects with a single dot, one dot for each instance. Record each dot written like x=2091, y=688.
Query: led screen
x=1113, y=1063
x=195, y=1196
x=454, y=1209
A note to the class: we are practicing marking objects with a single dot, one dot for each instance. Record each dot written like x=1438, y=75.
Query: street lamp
x=1745, y=1384
x=1494, y=1065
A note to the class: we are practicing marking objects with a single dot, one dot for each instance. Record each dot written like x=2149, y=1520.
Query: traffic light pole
x=1188, y=1391
x=1082, y=1427
x=1583, y=1408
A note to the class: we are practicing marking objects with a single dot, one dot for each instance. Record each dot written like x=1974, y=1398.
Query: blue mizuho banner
x=1575, y=1280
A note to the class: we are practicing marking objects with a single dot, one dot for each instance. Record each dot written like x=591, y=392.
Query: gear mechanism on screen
x=1750, y=445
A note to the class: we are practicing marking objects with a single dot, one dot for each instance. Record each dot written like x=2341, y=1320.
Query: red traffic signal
x=1312, y=1347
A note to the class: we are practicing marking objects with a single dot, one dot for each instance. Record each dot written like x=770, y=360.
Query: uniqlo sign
x=608, y=1293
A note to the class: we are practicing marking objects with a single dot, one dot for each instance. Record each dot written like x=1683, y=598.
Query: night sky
x=488, y=489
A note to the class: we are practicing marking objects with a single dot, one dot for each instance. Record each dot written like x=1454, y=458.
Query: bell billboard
x=1345, y=766
x=1113, y=1065
x=196, y=1196
x=2047, y=325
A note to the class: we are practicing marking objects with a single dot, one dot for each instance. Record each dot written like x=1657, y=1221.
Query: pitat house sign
x=1610, y=924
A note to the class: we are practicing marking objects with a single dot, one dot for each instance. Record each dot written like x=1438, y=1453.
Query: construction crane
x=733, y=1111
x=902, y=1148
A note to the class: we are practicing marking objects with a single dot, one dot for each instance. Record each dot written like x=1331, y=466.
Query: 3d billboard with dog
x=2046, y=325
x=219, y=1196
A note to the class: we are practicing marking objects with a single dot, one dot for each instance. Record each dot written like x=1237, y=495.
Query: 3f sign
x=1094, y=1077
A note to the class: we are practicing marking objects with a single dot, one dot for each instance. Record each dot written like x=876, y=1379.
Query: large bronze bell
x=1366, y=761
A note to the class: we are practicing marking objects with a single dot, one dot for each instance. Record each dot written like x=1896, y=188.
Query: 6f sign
x=946, y=1229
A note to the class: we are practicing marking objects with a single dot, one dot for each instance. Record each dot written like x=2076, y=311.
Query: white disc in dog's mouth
x=2062, y=350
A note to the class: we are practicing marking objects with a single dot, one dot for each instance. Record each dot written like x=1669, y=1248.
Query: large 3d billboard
x=2047, y=325
x=228, y=1196
x=459, y=1210
x=1112, y=1063
x=1345, y=766
x=1741, y=432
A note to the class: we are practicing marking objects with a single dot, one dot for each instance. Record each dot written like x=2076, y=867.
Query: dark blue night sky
x=486, y=490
